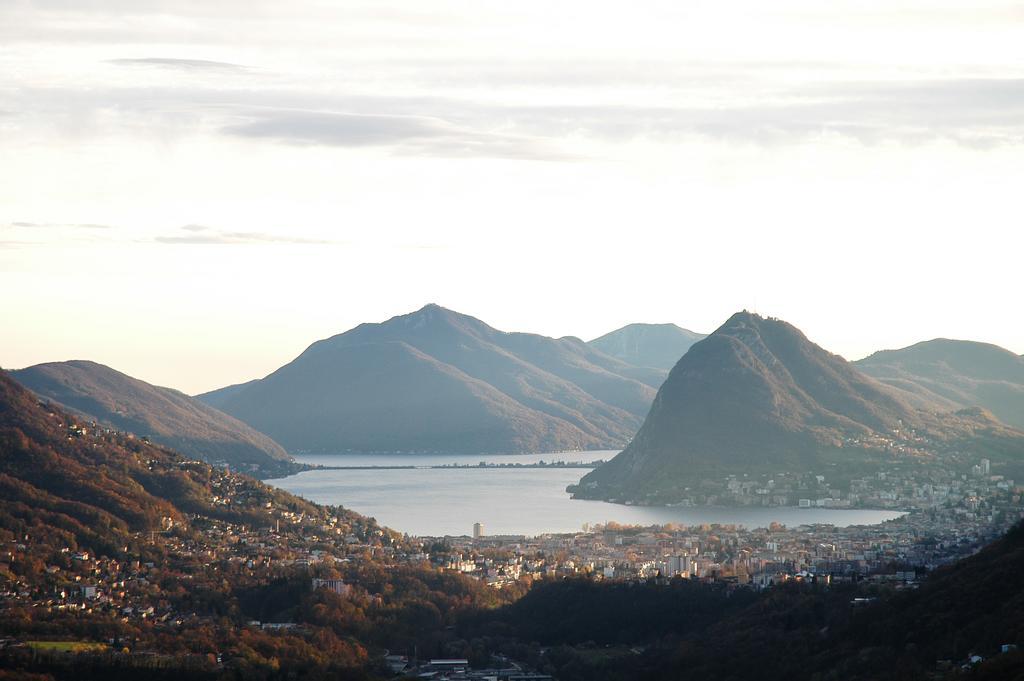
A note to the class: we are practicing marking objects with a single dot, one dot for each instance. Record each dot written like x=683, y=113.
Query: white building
x=336, y=585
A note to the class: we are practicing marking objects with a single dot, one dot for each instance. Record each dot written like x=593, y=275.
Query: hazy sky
x=193, y=191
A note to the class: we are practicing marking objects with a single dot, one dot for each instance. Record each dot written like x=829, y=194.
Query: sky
x=194, y=191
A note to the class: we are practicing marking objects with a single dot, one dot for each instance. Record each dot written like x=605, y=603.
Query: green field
x=69, y=646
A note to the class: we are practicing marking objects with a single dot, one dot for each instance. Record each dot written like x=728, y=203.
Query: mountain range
x=955, y=374
x=88, y=510
x=437, y=380
x=757, y=396
x=648, y=345
x=166, y=416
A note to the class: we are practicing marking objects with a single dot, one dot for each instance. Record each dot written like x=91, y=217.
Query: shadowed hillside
x=955, y=373
x=648, y=345
x=683, y=630
x=166, y=416
x=436, y=380
x=129, y=561
x=758, y=396
x=970, y=608
x=94, y=487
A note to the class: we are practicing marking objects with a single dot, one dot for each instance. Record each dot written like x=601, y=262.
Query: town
x=947, y=514
x=167, y=579
x=947, y=517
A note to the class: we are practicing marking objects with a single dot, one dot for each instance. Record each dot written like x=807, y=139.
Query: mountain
x=648, y=345
x=682, y=630
x=969, y=609
x=221, y=395
x=129, y=561
x=437, y=380
x=955, y=373
x=757, y=396
x=96, y=486
x=166, y=416
x=961, y=621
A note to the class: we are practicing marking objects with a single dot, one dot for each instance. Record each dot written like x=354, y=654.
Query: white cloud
x=852, y=166
x=185, y=64
x=47, y=225
x=193, y=234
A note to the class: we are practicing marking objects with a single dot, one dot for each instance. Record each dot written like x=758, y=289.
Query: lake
x=532, y=501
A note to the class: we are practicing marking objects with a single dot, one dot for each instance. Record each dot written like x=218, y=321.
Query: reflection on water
x=509, y=501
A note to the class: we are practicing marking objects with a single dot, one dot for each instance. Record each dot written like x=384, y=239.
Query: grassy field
x=69, y=646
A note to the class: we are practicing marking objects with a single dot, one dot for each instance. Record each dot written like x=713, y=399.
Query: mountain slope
x=219, y=396
x=65, y=480
x=758, y=396
x=391, y=396
x=648, y=345
x=166, y=416
x=442, y=381
x=687, y=630
x=956, y=373
x=159, y=564
x=971, y=607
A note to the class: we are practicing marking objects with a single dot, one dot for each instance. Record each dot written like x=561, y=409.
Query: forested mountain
x=684, y=631
x=84, y=486
x=648, y=345
x=971, y=608
x=758, y=396
x=437, y=380
x=131, y=562
x=955, y=373
x=165, y=416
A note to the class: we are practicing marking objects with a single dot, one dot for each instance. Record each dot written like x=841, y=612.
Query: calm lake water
x=436, y=502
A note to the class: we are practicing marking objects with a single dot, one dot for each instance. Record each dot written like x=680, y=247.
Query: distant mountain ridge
x=167, y=416
x=648, y=345
x=437, y=380
x=955, y=373
x=755, y=396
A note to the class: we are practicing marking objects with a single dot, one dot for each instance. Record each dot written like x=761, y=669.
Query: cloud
x=42, y=233
x=51, y=225
x=339, y=129
x=185, y=64
x=977, y=112
x=186, y=234
x=409, y=133
x=201, y=234
x=973, y=112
